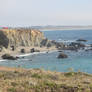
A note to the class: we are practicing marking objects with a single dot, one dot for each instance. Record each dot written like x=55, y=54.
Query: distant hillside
x=61, y=27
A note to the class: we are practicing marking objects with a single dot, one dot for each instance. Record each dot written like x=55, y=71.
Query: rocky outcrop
x=9, y=57
x=20, y=37
x=81, y=40
x=50, y=43
x=62, y=55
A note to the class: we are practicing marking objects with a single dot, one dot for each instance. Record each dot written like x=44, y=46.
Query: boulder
x=22, y=51
x=34, y=50
x=62, y=55
x=12, y=48
x=9, y=57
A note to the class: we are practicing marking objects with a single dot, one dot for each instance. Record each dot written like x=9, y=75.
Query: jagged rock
x=22, y=51
x=44, y=42
x=9, y=57
x=81, y=40
x=62, y=55
x=60, y=45
x=77, y=45
x=20, y=37
x=50, y=43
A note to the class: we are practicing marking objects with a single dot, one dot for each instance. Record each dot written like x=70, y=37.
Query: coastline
x=17, y=52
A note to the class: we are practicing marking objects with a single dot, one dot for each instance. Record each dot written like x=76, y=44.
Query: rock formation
x=62, y=55
x=20, y=37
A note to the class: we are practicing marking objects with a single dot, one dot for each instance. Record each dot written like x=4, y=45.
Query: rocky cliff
x=20, y=37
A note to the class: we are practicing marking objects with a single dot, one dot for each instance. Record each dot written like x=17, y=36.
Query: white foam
x=35, y=53
x=2, y=60
x=67, y=41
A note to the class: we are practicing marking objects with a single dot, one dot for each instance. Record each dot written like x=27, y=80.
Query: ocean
x=78, y=61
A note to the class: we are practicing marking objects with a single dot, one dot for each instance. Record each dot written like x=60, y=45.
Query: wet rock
x=62, y=55
x=9, y=57
x=81, y=40
x=60, y=51
x=77, y=45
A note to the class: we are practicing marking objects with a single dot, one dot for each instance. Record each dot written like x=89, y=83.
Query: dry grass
x=37, y=80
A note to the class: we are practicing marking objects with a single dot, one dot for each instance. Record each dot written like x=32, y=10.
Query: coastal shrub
x=14, y=84
x=35, y=75
x=50, y=84
x=53, y=77
x=70, y=74
x=11, y=89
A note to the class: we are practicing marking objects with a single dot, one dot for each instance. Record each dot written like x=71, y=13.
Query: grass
x=37, y=80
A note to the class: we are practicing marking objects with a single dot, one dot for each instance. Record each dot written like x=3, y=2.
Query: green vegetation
x=37, y=80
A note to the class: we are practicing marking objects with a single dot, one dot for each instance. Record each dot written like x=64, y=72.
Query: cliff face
x=20, y=37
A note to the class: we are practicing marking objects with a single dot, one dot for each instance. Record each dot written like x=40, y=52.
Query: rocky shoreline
x=14, y=42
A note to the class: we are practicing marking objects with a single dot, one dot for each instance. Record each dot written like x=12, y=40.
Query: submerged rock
x=9, y=57
x=62, y=55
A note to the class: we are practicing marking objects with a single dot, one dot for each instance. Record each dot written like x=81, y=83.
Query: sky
x=45, y=12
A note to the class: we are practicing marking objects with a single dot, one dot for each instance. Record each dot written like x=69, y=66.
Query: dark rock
x=12, y=48
x=89, y=49
x=44, y=42
x=17, y=57
x=34, y=50
x=22, y=51
x=90, y=45
x=49, y=44
x=62, y=55
x=77, y=45
x=81, y=40
x=9, y=57
x=1, y=48
x=59, y=45
x=60, y=51
x=4, y=41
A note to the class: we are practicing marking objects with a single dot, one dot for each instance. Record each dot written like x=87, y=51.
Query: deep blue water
x=81, y=60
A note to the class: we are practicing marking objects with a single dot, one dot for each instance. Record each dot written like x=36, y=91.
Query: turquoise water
x=81, y=60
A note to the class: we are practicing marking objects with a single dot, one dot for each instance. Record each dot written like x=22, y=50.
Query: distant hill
x=51, y=27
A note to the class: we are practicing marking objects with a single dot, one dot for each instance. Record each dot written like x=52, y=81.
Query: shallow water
x=81, y=60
